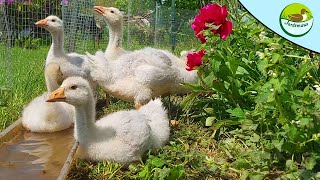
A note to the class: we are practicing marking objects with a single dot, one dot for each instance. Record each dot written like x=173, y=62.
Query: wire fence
x=146, y=24
x=149, y=22
x=156, y=23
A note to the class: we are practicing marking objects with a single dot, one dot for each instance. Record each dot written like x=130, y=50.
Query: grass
x=21, y=80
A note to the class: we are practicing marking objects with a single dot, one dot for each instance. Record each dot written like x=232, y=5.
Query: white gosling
x=139, y=76
x=114, y=51
x=41, y=116
x=114, y=18
x=121, y=136
x=71, y=64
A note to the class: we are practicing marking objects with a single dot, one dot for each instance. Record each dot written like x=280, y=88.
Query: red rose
x=194, y=59
x=224, y=30
x=213, y=13
x=216, y=16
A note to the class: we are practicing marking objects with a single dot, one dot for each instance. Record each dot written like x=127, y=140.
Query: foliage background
x=257, y=91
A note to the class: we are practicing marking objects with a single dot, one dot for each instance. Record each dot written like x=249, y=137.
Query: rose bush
x=256, y=90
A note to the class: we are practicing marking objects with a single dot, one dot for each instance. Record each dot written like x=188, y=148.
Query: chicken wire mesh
x=17, y=31
x=146, y=23
x=159, y=25
x=80, y=26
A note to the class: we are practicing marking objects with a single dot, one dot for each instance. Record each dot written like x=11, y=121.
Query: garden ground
x=190, y=153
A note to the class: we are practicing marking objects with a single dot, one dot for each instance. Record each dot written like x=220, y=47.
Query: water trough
x=26, y=155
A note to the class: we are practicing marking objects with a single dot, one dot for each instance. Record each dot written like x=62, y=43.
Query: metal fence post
x=173, y=24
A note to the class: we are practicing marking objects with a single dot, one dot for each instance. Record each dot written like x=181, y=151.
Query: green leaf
x=215, y=66
x=209, y=79
x=224, y=73
x=278, y=144
x=263, y=65
x=307, y=175
x=242, y=70
x=163, y=173
x=309, y=163
x=220, y=123
x=305, y=121
x=144, y=172
x=237, y=112
x=292, y=133
x=209, y=110
x=255, y=138
x=194, y=87
x=251, y=70
x=233, y=65
x=256, y=176
x=298, y=93
x=278, y=86
x=290, y=165
x=262, y=97
x=282, y=120
x=210, y=121
x=219, y=86
x=241, y=164
x=304, y=69
x=275, y=58
x=157, y=162
x=248, y=125
x=244, y=175
x=176, y=173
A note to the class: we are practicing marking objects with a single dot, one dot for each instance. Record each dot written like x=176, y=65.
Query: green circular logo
x=296, y=20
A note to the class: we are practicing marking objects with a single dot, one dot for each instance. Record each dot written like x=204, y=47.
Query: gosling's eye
x=74, y=87
x=53, y=20
x=112, y=11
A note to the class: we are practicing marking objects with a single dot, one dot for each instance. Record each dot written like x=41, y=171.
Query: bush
x=258, y=88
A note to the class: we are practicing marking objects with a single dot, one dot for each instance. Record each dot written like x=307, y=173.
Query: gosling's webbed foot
x=174, y=123
x=137, y=105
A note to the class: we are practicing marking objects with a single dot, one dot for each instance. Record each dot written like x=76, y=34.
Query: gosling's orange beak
x=57, y=95
x=100, y=9
x=42, y=23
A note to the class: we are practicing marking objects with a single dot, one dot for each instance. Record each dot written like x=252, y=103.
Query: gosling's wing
x=98, y=64
x=153, y=76
x=131, y=127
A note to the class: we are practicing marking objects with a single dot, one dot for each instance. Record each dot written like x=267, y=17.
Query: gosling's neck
x=115, y=38
x=56, y=49
x=85, y=127
x=86, y=130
